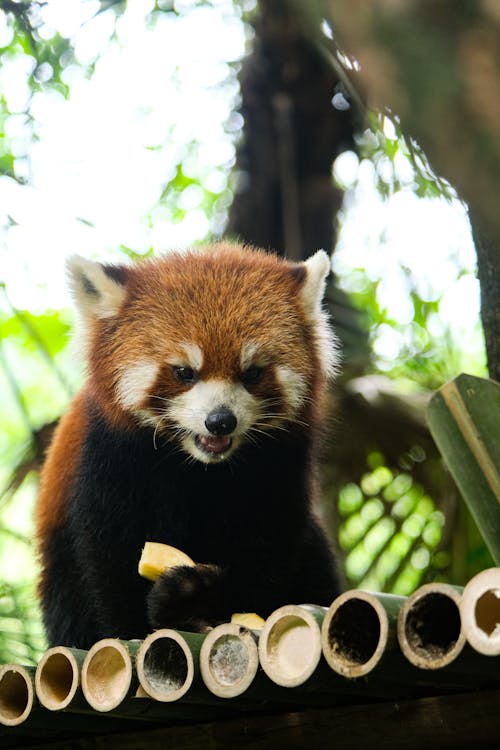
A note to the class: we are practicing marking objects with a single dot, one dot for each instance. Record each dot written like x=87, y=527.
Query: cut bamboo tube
x=430, y=630
x=167, y=662
x=229, y=660
x=290, y=644
x=357, y=629
x=57, y=678
x=480, y=610
x=107, y=675
x=433, y=658
x=16, y=694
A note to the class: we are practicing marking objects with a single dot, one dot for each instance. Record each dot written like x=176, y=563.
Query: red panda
x=197, y=426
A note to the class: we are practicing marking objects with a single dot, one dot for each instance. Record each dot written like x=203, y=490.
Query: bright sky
x=104, y=156
x=405, y=236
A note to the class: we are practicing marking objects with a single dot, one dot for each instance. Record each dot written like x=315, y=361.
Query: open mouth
x=213, y=445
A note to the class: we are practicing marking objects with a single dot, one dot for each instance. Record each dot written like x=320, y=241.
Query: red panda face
x=210, y=349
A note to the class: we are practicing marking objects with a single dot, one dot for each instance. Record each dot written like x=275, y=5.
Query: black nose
x=221, y=421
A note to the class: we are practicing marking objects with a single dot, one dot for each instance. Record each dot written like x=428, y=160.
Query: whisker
x=284, y=418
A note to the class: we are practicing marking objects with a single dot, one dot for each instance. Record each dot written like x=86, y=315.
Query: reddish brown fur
x=195, y=298
x=107, y=485
x=172, y=297
x=59, y=471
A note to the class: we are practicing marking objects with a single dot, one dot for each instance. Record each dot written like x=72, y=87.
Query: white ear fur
x=313, y=288
x=312, y=291
x=96, y=294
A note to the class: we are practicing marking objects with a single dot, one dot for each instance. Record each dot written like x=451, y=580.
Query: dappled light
x=130, y=129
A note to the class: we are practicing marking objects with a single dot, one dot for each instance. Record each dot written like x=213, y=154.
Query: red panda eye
x=185, y=375
x=252, y=375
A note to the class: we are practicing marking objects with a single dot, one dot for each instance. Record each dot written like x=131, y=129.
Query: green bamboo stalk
x=108, y=674
x=290, y=644
x=143, y=708
x=480, y=610
x=169, y=675
x=229, y=660
x=57, y=679
x=464, y=419
x=364, y=645
x=359, y=631
x=433, y=635
x=168, y=663
x=430, y=630
x=17, y=695
x=21, y=713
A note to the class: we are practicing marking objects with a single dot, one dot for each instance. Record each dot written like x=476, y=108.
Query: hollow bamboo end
x=16, y=694
x=480, y=610
x=430, y=629
x=229, y=660
x=290, y=645
x=165, y=665
x=106, y=674
x=354, y=633
x=57, y=678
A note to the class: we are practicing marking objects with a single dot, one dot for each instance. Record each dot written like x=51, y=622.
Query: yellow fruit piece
x=248, y=620
x=157, y=557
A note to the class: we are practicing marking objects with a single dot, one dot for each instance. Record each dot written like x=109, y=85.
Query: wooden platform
x=468, y=720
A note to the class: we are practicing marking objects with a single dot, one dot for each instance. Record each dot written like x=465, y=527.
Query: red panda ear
x=98, y=291
x=315, y=271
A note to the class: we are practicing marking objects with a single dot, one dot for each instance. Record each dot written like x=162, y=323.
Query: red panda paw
x=187, y=598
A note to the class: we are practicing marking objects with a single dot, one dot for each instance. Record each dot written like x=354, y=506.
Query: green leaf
x=464, y=419
x=52, y=328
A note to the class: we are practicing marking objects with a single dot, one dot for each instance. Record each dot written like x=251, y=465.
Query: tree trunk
x=285, y=197
x=488, y=267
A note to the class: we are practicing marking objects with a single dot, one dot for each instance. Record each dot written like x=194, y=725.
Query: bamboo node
x=56, y=678
x=229, y=660
x=16, y=694
x=354, y=633
x=430, y=629
x=480, y=609
x=487, y=613
x=290, y=645
x=165, y=665
x=106, y=674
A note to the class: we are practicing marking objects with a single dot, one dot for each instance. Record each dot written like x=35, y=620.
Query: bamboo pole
x=167, y=662
x=229, y=664
x=108, y=673
x=313, y=680
x=433, y=657
x=430, y=630
x=57, y=678
x=229, y=660
x=290, y=644
x=16, y=694
x=358, y=629
x=480, y=610
x=21, y=709
x=433, y=637
x=463, y=419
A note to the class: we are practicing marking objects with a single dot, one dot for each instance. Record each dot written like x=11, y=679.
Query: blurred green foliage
x=391, y=530
x=22, y=640
x=35, y=387
x=415, y=341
